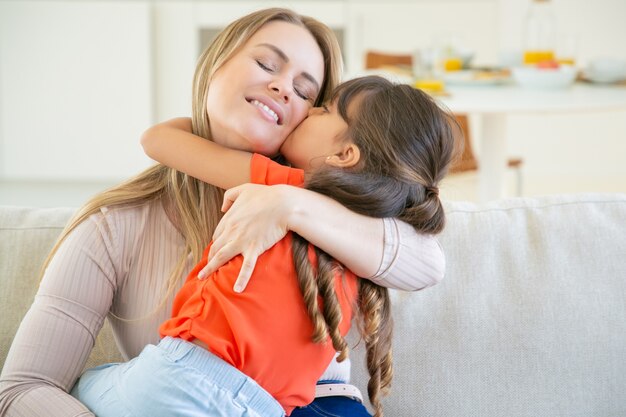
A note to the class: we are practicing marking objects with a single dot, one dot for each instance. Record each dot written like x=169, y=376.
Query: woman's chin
x=265, y=146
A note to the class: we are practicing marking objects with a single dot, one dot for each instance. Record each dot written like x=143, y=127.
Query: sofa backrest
x=530, y=319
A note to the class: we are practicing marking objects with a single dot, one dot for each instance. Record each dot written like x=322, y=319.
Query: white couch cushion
x=530, y=319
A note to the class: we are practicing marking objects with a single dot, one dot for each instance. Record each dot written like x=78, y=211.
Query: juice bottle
x=539, y=33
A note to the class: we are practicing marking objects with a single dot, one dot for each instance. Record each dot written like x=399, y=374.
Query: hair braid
x=377, y=325
x=327, y=317
x=331, y=308
x=309, y=288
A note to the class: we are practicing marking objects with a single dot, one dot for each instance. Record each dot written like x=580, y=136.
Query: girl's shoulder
x=266, y=171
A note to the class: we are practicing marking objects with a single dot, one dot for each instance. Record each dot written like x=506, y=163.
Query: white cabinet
x=76, y=88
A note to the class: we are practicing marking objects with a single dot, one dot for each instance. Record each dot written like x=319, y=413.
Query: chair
x=378, y=59
x=467, y=162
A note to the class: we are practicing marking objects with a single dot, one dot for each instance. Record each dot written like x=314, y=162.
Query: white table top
x=497, y=99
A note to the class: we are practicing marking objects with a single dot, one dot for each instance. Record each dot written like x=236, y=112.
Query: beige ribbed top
x=118, y=261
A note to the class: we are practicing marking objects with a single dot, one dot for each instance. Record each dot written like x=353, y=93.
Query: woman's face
x=320, y=135
x=265, y=89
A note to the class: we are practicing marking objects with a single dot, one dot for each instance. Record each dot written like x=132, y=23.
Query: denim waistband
x=243, y=388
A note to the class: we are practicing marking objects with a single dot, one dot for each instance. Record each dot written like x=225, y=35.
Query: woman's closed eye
x=305, y=89
x=266, y=66
x=303, y=94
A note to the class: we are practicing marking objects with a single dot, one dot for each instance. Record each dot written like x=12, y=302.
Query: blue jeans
x=174, y=378
x=332, y=407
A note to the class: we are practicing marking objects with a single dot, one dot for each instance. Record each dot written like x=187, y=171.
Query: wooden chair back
x=375, y=59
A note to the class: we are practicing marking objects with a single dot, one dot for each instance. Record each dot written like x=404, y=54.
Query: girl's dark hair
x=407, y=143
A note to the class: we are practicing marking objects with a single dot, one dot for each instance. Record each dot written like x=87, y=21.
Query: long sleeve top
x=116, y=264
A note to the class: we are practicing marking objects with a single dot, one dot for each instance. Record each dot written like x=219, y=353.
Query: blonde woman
x=129, y=249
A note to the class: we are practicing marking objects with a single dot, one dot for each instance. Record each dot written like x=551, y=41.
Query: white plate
x=475, y=78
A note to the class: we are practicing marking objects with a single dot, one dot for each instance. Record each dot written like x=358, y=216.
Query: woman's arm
x=57, y=334
x=389, y=252
x=172, y=144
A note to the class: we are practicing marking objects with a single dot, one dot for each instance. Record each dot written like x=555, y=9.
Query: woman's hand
x=258, y=216
x=255, y=220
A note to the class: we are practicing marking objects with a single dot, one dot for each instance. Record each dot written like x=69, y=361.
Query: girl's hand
x=255, y=220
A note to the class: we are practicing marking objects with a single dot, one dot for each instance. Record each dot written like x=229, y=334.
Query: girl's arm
x=172, y=144
x=389, y=252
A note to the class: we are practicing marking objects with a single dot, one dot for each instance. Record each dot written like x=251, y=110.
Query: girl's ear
x=349, y=156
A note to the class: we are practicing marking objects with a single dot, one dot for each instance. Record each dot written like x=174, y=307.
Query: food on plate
x=491, y=74
x=549, y=64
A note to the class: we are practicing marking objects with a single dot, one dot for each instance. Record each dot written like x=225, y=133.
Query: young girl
x=379, y=149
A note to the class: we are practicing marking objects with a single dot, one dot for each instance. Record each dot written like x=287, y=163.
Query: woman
x=129, y=249
x=215, y=331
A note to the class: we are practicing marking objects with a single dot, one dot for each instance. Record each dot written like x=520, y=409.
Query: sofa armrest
x=26, y=237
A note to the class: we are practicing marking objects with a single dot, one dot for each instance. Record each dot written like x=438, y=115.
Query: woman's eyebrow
x=285, y=58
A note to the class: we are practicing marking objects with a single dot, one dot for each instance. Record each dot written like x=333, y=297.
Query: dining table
x=491, y=105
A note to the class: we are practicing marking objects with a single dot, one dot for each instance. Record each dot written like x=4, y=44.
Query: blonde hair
x=407, y=144
x=195, y=203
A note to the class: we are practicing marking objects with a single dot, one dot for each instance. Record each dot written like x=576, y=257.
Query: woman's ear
x=349, y=156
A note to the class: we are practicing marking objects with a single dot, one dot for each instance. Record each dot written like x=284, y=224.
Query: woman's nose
x=279, y=87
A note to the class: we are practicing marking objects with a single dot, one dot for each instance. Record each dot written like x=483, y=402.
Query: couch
x=529, y=321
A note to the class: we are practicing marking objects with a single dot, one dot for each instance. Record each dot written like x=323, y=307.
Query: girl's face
x=266, y=89
x=319, y=136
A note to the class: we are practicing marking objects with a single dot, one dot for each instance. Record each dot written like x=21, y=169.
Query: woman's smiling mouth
x=266, y=109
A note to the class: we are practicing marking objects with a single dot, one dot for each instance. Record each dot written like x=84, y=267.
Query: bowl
x=606, y=70
x=544, y=78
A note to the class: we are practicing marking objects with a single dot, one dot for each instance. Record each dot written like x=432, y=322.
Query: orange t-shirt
x=265, y=331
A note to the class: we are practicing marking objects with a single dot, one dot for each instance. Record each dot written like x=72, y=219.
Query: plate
x=545, y=78
x=476, y=77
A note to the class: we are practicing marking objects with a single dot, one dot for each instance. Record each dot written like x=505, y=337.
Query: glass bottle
x=539, y=33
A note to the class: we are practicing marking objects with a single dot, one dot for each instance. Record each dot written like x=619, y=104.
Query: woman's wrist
x=296, y=203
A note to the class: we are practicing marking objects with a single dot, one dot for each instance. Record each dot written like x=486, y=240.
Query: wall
x=76, y=89
x=598, y=26
x=80, y=81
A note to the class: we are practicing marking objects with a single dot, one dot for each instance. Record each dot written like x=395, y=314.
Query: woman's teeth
x=267, y=109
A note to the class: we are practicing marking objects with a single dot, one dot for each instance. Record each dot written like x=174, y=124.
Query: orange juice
x=452, y=64
x=534, y=56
